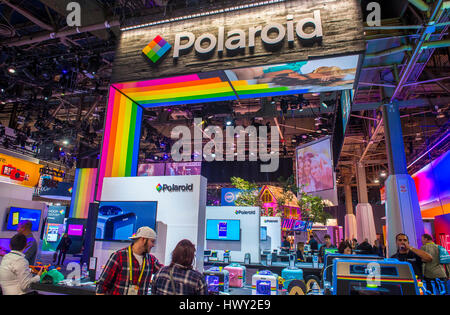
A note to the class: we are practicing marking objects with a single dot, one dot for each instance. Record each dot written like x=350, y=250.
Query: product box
x=289, y=274
x=217, y=279
x=265, y=283
x=237, y=275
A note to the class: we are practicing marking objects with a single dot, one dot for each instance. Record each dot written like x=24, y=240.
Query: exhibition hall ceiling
x=54, y=91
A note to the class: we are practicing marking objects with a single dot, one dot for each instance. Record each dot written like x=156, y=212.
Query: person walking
x=180, y=278
x=63, y=248
x=432, y=270
x=129, y=270
x=15, y=275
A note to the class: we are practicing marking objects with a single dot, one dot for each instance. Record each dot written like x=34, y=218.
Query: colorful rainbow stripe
x=185, y=89
x=121, y=137
x=195, y=88
x=83, y=192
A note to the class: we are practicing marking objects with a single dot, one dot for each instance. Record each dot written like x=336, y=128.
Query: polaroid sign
x=235, y=40
x=237, y=212
x=239, y=39
x=175, y=188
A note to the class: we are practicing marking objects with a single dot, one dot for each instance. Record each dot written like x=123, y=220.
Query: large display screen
x=346, y=107
x=433, y=187
x=223, y=230
x=16, y=215
x=151, y=169
x=119, y=220
x=314, y=166
x=191, y=168
x=309, y=76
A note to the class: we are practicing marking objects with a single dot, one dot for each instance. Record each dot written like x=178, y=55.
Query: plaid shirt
x=114, y=279
x=187, y=282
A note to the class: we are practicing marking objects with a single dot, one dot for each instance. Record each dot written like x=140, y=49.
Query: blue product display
x=16, y=215
x=265, y=283
x=223, y=230
x=263, y=287
x=289, y=274
x=117, y=221
x=263, y=233
x=217, y=279
x=377, y=277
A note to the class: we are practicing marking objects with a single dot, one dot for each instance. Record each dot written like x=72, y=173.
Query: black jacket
x=64, y=244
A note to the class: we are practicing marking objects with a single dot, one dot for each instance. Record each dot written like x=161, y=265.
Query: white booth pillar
x=364, y=212
x=350, y=219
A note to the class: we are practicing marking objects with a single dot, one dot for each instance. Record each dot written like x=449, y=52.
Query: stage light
x=383, y=174
x=11, y=70
x=165, y=157
x=65, y=142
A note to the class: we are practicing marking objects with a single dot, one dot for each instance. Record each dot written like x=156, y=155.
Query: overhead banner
x=17, y=171
x=56, y=214
x=287, y=31
x=58, y=190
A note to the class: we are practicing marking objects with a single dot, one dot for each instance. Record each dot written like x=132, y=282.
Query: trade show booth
x=235, y=229
x=176, y=202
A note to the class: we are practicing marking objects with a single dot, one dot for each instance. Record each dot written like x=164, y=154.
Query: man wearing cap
x=129, y=270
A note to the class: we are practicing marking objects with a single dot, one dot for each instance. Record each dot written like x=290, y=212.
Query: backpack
x=444, y=256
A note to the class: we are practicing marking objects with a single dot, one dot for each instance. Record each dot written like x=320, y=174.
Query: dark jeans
x=434, y=287
x=63, y=256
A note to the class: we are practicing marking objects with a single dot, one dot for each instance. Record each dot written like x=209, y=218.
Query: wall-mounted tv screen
x=119, y=220
x=263, y=233
x=75, y=229
x=16, y=215
x=223, y=230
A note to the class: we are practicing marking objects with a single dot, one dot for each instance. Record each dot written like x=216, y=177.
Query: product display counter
x=276, y=267
x=87, y=288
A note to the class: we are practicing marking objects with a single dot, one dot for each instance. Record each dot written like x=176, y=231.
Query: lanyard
x=130, y=264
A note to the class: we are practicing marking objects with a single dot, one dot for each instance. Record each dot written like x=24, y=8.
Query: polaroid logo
x=270, y=221
x=175, y=188
x=244, y=212
x=156, y=49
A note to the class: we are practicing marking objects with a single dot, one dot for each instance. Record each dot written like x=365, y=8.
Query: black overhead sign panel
x=283, y=32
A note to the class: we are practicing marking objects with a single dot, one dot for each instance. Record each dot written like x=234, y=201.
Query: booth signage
x=244, y=212
x=236, y=38
x=18, y=171
x=56, y=214
x=285, y=32
x=175, y=188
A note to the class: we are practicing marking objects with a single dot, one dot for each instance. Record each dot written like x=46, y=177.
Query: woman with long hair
x=180, y=278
